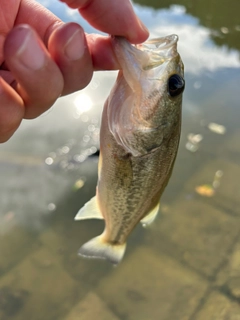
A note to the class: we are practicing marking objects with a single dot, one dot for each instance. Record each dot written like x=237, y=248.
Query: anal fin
x=150, y=217
x=89, y=211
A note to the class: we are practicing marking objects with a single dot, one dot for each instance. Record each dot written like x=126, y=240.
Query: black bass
x=139, y=138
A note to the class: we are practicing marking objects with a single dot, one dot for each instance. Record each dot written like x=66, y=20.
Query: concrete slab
x=227, y=195
x=218, y=307
x=38, y=288
x=195, y=233
x=91, y=307
x=228, y=278
x=15, y=244
x=147, y=285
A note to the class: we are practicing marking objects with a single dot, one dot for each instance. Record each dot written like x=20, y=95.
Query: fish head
x=145, y=103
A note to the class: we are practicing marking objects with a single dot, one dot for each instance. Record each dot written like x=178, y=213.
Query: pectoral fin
x=150, y=217
x=89, y=211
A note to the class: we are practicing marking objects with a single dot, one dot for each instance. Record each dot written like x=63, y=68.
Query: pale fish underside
x=139, y=138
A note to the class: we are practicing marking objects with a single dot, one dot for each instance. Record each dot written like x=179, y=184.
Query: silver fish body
x=139, y=138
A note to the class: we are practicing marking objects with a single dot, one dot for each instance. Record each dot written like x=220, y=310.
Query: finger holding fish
x=113, y=17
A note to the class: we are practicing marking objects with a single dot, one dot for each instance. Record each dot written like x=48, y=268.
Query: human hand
x=42, y=58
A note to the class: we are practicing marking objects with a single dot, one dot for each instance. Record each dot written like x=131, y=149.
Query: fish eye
x=176, y=85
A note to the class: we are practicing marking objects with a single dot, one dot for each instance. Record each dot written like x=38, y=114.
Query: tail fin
x=99, y=249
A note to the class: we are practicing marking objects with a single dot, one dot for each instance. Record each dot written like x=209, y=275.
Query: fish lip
x=156, y=50
x=159, y=44
x=160, y=49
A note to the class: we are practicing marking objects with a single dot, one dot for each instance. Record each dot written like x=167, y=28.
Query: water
x=187, y=264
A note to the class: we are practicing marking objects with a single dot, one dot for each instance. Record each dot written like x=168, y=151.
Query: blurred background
x=184, y=266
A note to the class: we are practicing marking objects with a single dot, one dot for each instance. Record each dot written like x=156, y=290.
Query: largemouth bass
x=139, y=138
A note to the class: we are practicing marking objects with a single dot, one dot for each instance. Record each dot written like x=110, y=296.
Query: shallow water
x=186, y=266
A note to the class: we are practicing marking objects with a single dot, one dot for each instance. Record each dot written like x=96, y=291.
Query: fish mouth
x=160, y=49
x=159, y=44
x=151, y=53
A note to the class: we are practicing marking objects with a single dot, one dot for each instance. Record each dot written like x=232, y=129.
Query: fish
x=139, y=138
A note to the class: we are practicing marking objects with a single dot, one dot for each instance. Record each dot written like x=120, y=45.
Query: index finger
x=112, y=16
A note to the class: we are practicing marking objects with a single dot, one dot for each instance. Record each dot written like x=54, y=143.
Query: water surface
x=187, y=264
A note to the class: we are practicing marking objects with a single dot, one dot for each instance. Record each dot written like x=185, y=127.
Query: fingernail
x=30, y=52
x=75, y=46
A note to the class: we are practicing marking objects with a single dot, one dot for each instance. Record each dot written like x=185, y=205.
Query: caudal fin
x=99, y=249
